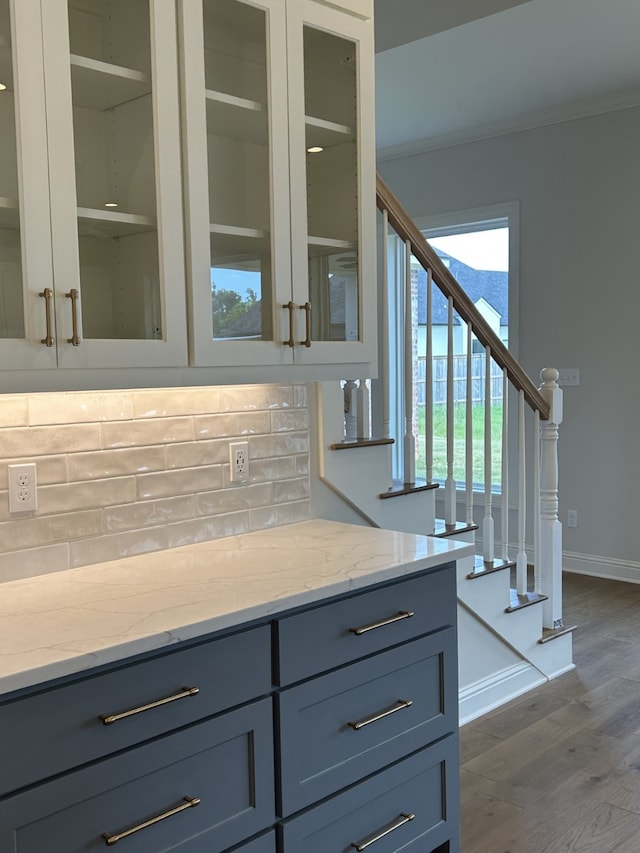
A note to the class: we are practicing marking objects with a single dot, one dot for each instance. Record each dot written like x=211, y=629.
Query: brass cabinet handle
x=400, y=705
x=402, y=614
x=307, y=319
x=109, y=719
x=73, y=296
x=404, y=817
x=291, y=308
x=189, y=802
x=46, y=294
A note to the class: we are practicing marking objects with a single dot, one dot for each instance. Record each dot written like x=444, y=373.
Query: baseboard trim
x=489, y=693
x=601, y=567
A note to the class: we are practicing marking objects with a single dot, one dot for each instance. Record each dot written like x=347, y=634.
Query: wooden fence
x=478, y=368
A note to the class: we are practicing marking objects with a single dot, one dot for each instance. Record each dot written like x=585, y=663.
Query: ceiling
x=449, y=71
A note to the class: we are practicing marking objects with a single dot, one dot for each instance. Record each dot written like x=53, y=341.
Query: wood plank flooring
x=558, y=770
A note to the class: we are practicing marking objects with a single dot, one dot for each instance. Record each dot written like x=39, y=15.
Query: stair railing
x=545, y=403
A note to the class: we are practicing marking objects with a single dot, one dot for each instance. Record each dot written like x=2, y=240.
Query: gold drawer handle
x=46, y=294
x=74, y=295
x=307, y=321
x=291, y=307
x=109, y=719
x=402, y=614
x=189, y=802
x=405, y=817
x=400, y=705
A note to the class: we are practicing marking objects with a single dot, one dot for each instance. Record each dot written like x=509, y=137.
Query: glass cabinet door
x=237, y=187
x=26, y=294
x=112, y=103
x=332, y=150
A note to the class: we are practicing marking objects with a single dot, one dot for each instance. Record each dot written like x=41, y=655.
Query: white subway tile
x=31, y=562
x=79, y=407
x=35, y=531
x=300, y=396
x=203, y=529
x=283, y=444
x=181, y=481
x=246, y=397
x=170, y=402
x=32, y=442
x=115, y=463
x=275, y=468
x=231, y=425
x=146, y=432
x=116, y=545
x=234, y=498
x=290, y=420
x=194, y=453
x=274, y=516
x=149, y=513
x=13, y=410
x=291, y=490
x=86, y=494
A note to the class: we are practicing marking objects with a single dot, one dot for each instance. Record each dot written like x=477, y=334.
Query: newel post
x=550, y=558
x=350, y=410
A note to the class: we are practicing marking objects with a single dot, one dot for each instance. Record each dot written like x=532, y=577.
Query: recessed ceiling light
x=314, y=149
x=111, y=204
x=3, y=86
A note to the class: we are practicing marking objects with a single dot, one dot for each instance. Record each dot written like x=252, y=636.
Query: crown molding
x=573, y=112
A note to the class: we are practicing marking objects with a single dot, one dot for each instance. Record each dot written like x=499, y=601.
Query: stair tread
x=526, y=600
x=399, y=488
x=482, y=567
x=354, y=443
x=549, y=634
x=442, y=529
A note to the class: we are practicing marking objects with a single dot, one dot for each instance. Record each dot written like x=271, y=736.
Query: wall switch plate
x=23, y=484
x=239, y=461
x=572, y=518
x=568, y=376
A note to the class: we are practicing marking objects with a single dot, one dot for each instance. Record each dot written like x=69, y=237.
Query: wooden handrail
x=406, y=229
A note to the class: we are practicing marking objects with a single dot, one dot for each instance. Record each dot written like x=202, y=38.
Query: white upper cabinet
x=280, y=182
x=97, y=176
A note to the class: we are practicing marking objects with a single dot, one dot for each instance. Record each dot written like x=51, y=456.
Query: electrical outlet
x=572, y=518
x=239, y=461
x=23, y=485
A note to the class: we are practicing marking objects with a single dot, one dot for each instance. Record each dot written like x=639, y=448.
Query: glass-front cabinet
x=97, y=116
x=277, y=177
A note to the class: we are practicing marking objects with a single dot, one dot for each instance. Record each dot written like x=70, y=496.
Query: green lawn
x=440, y=443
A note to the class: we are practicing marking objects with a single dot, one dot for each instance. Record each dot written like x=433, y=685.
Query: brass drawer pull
x=402, y=614
x=400, y=705
x=307, y=318
x=290, y=306
x=405, y=817
x=189, y=802
x=108, y=719
x=73, y=295
x=46, y=295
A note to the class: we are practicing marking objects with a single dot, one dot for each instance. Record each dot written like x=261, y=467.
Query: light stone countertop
x=57, y=624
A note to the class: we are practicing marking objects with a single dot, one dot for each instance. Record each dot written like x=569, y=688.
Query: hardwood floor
x=558, y=770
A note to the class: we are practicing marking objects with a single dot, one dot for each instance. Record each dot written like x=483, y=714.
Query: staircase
x=511, y=631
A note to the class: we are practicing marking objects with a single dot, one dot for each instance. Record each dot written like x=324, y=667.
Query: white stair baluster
x=450, y=483
x=488, y=547
x=469, y=426
x=364, y=409
x=504, y=497
x=521, y=557
x=537, y=578
x=428, y=411
x=550, y=526
x=409, y=437
x=386, y=383
x=350, y=410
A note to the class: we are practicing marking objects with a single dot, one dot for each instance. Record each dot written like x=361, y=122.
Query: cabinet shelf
x=230, y=243
x=108, y=224
x=9, y=215
x=325, y=133
x=238, y=118
x=102, y=85
x=319, y=246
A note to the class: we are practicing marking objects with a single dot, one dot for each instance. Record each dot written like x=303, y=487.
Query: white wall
x=578, y=184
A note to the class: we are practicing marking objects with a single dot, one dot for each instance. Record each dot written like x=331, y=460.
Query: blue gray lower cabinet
x=211, y=784
x=326, y=729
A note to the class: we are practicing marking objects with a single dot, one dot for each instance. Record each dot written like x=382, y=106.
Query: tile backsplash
x=126, y=472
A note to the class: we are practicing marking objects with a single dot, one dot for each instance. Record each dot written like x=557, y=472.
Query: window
x=480, y=250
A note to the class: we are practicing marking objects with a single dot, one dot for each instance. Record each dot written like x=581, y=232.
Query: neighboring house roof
x=490, y=284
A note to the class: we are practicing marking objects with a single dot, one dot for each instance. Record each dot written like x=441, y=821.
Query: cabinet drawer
x=337, y=728
x=226, y=763
x=324, y=638
x=61, y=728
x=265, y=844
x=424, y=785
